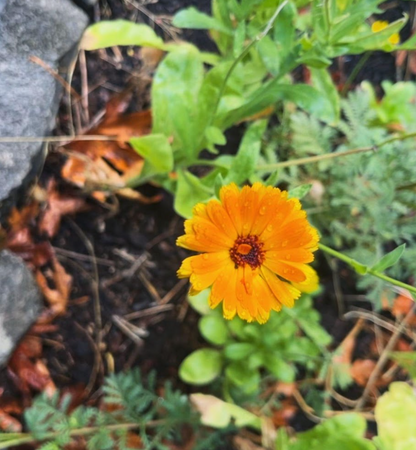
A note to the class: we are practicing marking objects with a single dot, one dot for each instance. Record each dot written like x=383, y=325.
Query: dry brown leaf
x=59, y=205
x=282, y=416
x=287, y=389
x=26, y=369
x=56, y=297
x=100, y=165
x=361, y=370
x=346, y=348
x=9, y=423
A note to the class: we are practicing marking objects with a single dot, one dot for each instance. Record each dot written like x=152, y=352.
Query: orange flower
x=253, y=240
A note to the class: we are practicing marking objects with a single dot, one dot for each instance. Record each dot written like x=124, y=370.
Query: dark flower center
x=247, y=250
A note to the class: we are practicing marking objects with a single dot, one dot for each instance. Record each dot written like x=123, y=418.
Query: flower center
x=247, y=250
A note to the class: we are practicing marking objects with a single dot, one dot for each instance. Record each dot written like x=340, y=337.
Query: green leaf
x=239, y=38
x=120, y=32
x=238, y=350
x=270, y=54
x=244, y=163
x=215, y=136
x=374, y=41
x=189, y=191
x=192, y=18
x=344, y=432
x=218, y=414
x=281, y=369
x=396, y=417
x=322, y=80
x=407, y=360
x=201, y=367
x=213, y=329
x=390, y=259
x=199, y=302
x=239, y=375
x=175, y=106
x=156, y=151
x=300, y=191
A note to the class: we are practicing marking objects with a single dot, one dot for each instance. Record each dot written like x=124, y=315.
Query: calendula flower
x=256, y=244
x=379, y=25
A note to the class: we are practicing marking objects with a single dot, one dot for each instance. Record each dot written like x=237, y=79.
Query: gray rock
x=47, y=29
x=20, y=302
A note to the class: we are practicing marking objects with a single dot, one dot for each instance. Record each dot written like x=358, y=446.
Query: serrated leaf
x=390, y=259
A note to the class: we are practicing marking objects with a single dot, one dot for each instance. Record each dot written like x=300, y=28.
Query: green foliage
x=132, y=404
x=363, y=201
x=396, y=415
x=260, y=42
x=344, y=432
x=245, y=352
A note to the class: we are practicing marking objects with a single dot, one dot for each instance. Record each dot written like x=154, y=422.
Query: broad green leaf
x=175, y=106
x=396, y=417
x=218, y=414
x=109, y=33
x=239, y=38
x=390, y=259
x=199, y=302
x=343, y=432
x=300, y=191
x=270, y=55
x=322, y=80
x=281, y=369
x=244, y=163
x=156, y=151
x=246, y=380
x=304, y=96
x=192, y=18
x=201, y=367
x=215, y=136
x=213, y=329
x=374, y=40
x=189, y=191
x=238, y=350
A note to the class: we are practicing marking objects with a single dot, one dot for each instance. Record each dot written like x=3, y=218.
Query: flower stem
x=317, y=158
x=362, y=269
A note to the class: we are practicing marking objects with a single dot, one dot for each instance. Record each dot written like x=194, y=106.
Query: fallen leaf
x=56, y=297
x=26, y=369
x=100, y=164
x=285, y=413
x=59, y=205
x=361, y=370
x=9, y=423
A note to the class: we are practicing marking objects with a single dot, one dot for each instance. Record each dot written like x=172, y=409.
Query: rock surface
x=20, y=302
x=28, y=93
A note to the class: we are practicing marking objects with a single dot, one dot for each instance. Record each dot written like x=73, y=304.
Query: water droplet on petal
x=263, y=210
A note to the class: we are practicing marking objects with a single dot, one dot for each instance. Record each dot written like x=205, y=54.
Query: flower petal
x=285, y=293
x=311, y=283
x=290, y=271
x=230, y=196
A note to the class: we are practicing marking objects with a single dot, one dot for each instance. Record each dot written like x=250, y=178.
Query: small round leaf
x=214, y=329
x=201, y=366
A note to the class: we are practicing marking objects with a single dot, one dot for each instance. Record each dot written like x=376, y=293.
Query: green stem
x=353, y=263
x=355, y=72
x=317, y=158
x=27, y=438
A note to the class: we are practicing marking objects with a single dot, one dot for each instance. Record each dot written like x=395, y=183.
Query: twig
x=84, y=84
x=383, y=359
x=96, y=297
